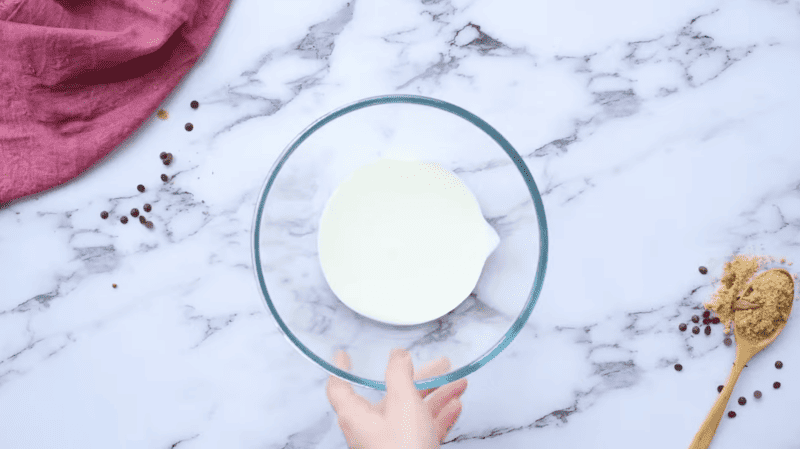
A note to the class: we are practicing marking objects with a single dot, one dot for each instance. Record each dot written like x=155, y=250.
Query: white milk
x=403, y=242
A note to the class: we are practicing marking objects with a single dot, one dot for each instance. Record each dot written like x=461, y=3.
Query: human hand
x=405, y=418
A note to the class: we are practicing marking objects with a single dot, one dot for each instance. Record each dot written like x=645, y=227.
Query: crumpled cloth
x=78, y=77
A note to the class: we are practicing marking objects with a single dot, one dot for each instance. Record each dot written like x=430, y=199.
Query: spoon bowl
x=745, y=350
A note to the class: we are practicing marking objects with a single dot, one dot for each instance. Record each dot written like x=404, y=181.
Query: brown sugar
x=737, y=273
x=760, y=310
x=773, y=291
x=162, y=114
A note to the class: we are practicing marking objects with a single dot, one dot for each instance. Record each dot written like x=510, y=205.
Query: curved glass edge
x=500, y=140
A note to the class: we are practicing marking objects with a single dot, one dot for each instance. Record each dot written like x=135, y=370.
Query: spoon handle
x=706, y=433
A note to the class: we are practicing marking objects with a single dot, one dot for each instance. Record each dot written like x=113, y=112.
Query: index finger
x=346, y=403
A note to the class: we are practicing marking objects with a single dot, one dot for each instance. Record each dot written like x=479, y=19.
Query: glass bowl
x=405, y=127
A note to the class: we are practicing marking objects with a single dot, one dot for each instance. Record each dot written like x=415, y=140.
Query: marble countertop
x=662, y=135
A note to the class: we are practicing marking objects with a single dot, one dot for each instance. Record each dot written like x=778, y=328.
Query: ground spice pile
x=760, y=310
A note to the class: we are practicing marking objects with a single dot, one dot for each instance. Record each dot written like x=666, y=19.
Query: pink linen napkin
x=78, y=77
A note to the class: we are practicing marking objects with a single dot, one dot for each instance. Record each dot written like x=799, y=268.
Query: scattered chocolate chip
x=123, y=219
x=742, y=401
x=731, y=414
x=682, y=327
x=164, y=178
x=719, y=388
x=779, y=364
x=189, y=127
x=757, y=394
x=728, y=341
x=142, y=220
x=140, y=188
x=715, y=320
x=703, y=270
x=134, y=212
x=194, y=104
x=678, y=367
x=104, y=215
x=167, y=161
x=114, y=285
x=776, y=385
x=147, y=207
x=708, y=330
x=149, y=225
x=706, y=321
x=163, y=155
x=695, y=330
x=706, y=314
x=695, y=319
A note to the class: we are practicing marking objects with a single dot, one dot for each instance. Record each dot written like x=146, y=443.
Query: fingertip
x=398, y=354
x=342, y=360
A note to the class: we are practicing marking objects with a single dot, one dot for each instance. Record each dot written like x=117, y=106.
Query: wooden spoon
x=745, y=350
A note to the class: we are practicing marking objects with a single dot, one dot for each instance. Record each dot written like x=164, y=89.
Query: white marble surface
x=663, y=136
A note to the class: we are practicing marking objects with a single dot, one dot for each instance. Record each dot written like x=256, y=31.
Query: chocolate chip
x=189, y=127
x=728, y=341
x=164, y=178
x=719, y=388
x=123, y=219
x=776, y=385
x=682, y=327
x=779, y=364
x=695, y=330
x=149, y=225
x=703, y=270
x=742, y=401
x=142, y=220
x=678, y=367
x=706, y=320
x=715, y=320
x=194, y=104
x=706, y=314
x=708, y=330
x=695, y=319
x=134, y=212
x=147, y=207
x=104, y=215
x=167, y=161
x=731, y=414
x=163, y=155
x=757, y=394
x=140, y=188
x=114, y=285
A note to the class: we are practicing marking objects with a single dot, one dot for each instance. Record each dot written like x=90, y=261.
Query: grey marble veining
x=662, y=137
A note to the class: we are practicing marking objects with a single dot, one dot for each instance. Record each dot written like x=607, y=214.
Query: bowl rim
x=482, y=125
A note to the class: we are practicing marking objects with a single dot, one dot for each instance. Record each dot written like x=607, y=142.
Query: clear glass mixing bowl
x=408, y=127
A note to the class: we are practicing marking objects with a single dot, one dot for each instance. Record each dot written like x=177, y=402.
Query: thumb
x=400, y=375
